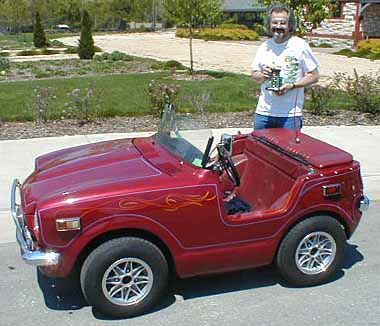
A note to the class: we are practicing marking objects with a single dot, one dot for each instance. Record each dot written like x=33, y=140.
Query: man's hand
x=284, y=89
x=267, y=72
x=262, y=75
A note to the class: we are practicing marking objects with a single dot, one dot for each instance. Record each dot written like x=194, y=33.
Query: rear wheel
x=312, y=252
x=124, y=277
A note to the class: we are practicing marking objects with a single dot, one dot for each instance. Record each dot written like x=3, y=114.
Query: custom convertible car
x=129, y=213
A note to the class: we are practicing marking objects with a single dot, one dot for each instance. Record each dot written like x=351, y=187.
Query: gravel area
x=22, y=130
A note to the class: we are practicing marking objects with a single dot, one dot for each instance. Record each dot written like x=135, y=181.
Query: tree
x=307, y=12
x=193, y=13
x=86, y=48
x=39, y=37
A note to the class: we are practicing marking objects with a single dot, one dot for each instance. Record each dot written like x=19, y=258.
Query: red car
x=129, y=213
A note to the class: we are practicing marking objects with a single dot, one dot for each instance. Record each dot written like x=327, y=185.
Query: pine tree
x=86, y=48
x=39, y=37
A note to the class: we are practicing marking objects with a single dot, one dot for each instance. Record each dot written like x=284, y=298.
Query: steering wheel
x=230, y=168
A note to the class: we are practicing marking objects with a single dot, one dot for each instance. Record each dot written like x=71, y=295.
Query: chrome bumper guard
x=30, y=256
x=364, y=204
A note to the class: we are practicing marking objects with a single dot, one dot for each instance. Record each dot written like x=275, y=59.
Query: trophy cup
x=275, y=80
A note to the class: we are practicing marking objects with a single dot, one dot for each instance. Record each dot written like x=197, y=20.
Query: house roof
x=243, y=6
x=369, y=1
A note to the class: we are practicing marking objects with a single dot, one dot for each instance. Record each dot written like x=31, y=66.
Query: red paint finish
x=139, y=185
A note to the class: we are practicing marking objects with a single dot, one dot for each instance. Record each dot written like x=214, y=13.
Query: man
x=283, y=65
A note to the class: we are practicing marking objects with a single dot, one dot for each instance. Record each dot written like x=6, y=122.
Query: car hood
x=85, y=168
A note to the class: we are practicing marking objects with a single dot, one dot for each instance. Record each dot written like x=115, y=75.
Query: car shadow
x=66, y=294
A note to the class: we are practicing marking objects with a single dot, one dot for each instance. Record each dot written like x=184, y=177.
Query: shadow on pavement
x=66, y=294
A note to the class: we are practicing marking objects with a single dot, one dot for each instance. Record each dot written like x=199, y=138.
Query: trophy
x=275, y=80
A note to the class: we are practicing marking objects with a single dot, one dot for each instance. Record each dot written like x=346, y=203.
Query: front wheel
x=124, y=277
x=312, y=252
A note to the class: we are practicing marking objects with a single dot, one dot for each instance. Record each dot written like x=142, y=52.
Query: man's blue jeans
x=263, y=122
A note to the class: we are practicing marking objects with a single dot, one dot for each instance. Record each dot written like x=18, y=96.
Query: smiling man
x=284, y=65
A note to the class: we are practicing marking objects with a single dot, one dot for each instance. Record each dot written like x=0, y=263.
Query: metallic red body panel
x=139, y=185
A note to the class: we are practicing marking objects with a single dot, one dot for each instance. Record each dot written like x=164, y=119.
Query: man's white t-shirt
x=295, y=58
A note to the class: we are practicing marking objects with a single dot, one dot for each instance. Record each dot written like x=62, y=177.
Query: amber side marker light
x=332, y=190
x=68, y=224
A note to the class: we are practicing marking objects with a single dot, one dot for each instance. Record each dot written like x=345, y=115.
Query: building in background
x=353, y=20
x=245, y=12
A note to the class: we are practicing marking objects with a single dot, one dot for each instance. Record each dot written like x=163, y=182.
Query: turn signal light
x=332, y=190
x=68, y=224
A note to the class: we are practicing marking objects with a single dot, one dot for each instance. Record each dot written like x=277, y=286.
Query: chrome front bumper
x=30, y=256
x=364, y=204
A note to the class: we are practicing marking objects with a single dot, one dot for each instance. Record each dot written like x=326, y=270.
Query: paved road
x=228, y=56
x=253, y=297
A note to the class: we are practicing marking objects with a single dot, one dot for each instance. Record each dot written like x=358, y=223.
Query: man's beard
x=280, y=35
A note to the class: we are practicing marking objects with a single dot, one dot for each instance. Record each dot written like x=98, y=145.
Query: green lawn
x=121, y=95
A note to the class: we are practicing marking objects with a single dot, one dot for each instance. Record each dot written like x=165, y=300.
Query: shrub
x=371, y=45
x=215, y=34
x=71, y=50
x=363, y=90
x=160, y=96
x=4, y=64
x=366, y=49
x=42, y=100
x=319, y=98
x=260, y=30
x=82, y=105
x=39, y=37
x=4, y=54
x=25, y=53
x=114, y=56
x=49, y=52
x=232, y=26
x=86, y=49
x=57, y=43
x=173, y=64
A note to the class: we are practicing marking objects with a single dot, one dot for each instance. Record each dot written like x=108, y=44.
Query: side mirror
x=226, y=141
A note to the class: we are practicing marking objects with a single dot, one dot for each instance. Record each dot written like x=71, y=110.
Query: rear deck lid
x=312, y=151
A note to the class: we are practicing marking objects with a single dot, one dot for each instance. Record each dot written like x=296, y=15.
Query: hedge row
x=215, y=34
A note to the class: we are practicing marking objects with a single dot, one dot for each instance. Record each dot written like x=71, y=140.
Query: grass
x=126, y=95
x=25, y=40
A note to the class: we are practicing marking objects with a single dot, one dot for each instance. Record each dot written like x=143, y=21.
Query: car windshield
x=183, y=136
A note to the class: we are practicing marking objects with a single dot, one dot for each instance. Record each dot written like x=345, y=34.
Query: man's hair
x=279, y=8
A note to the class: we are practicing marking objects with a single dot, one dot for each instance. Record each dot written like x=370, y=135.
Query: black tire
x=141, y=254
x=303, y=263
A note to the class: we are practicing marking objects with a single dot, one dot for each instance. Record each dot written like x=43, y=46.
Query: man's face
x=280, y=26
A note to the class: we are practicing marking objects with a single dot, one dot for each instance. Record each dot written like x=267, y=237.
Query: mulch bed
x=23, y=130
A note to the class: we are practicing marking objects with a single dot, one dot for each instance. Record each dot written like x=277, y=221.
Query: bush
x=160, y=96
x=49, y=52
x=319, y=98
x=42, y=100
x=215, y=34
x=260, y=30
x=4, y=64
x=26, y=53
x=4, y=54
x=232, y=26
x=371, y=45
x=71, y=50
x=86, y=49
x=57, y=43
x=39, y=37
x=173, y=64
x=114, y=56
x=363, y=90
x=369, y=49
x=82, y=105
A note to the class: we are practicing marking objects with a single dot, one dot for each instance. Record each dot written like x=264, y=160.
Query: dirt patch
x=22, y=130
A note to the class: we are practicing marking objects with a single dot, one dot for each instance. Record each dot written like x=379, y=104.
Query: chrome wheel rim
x=127, y=281
x=315, y=253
